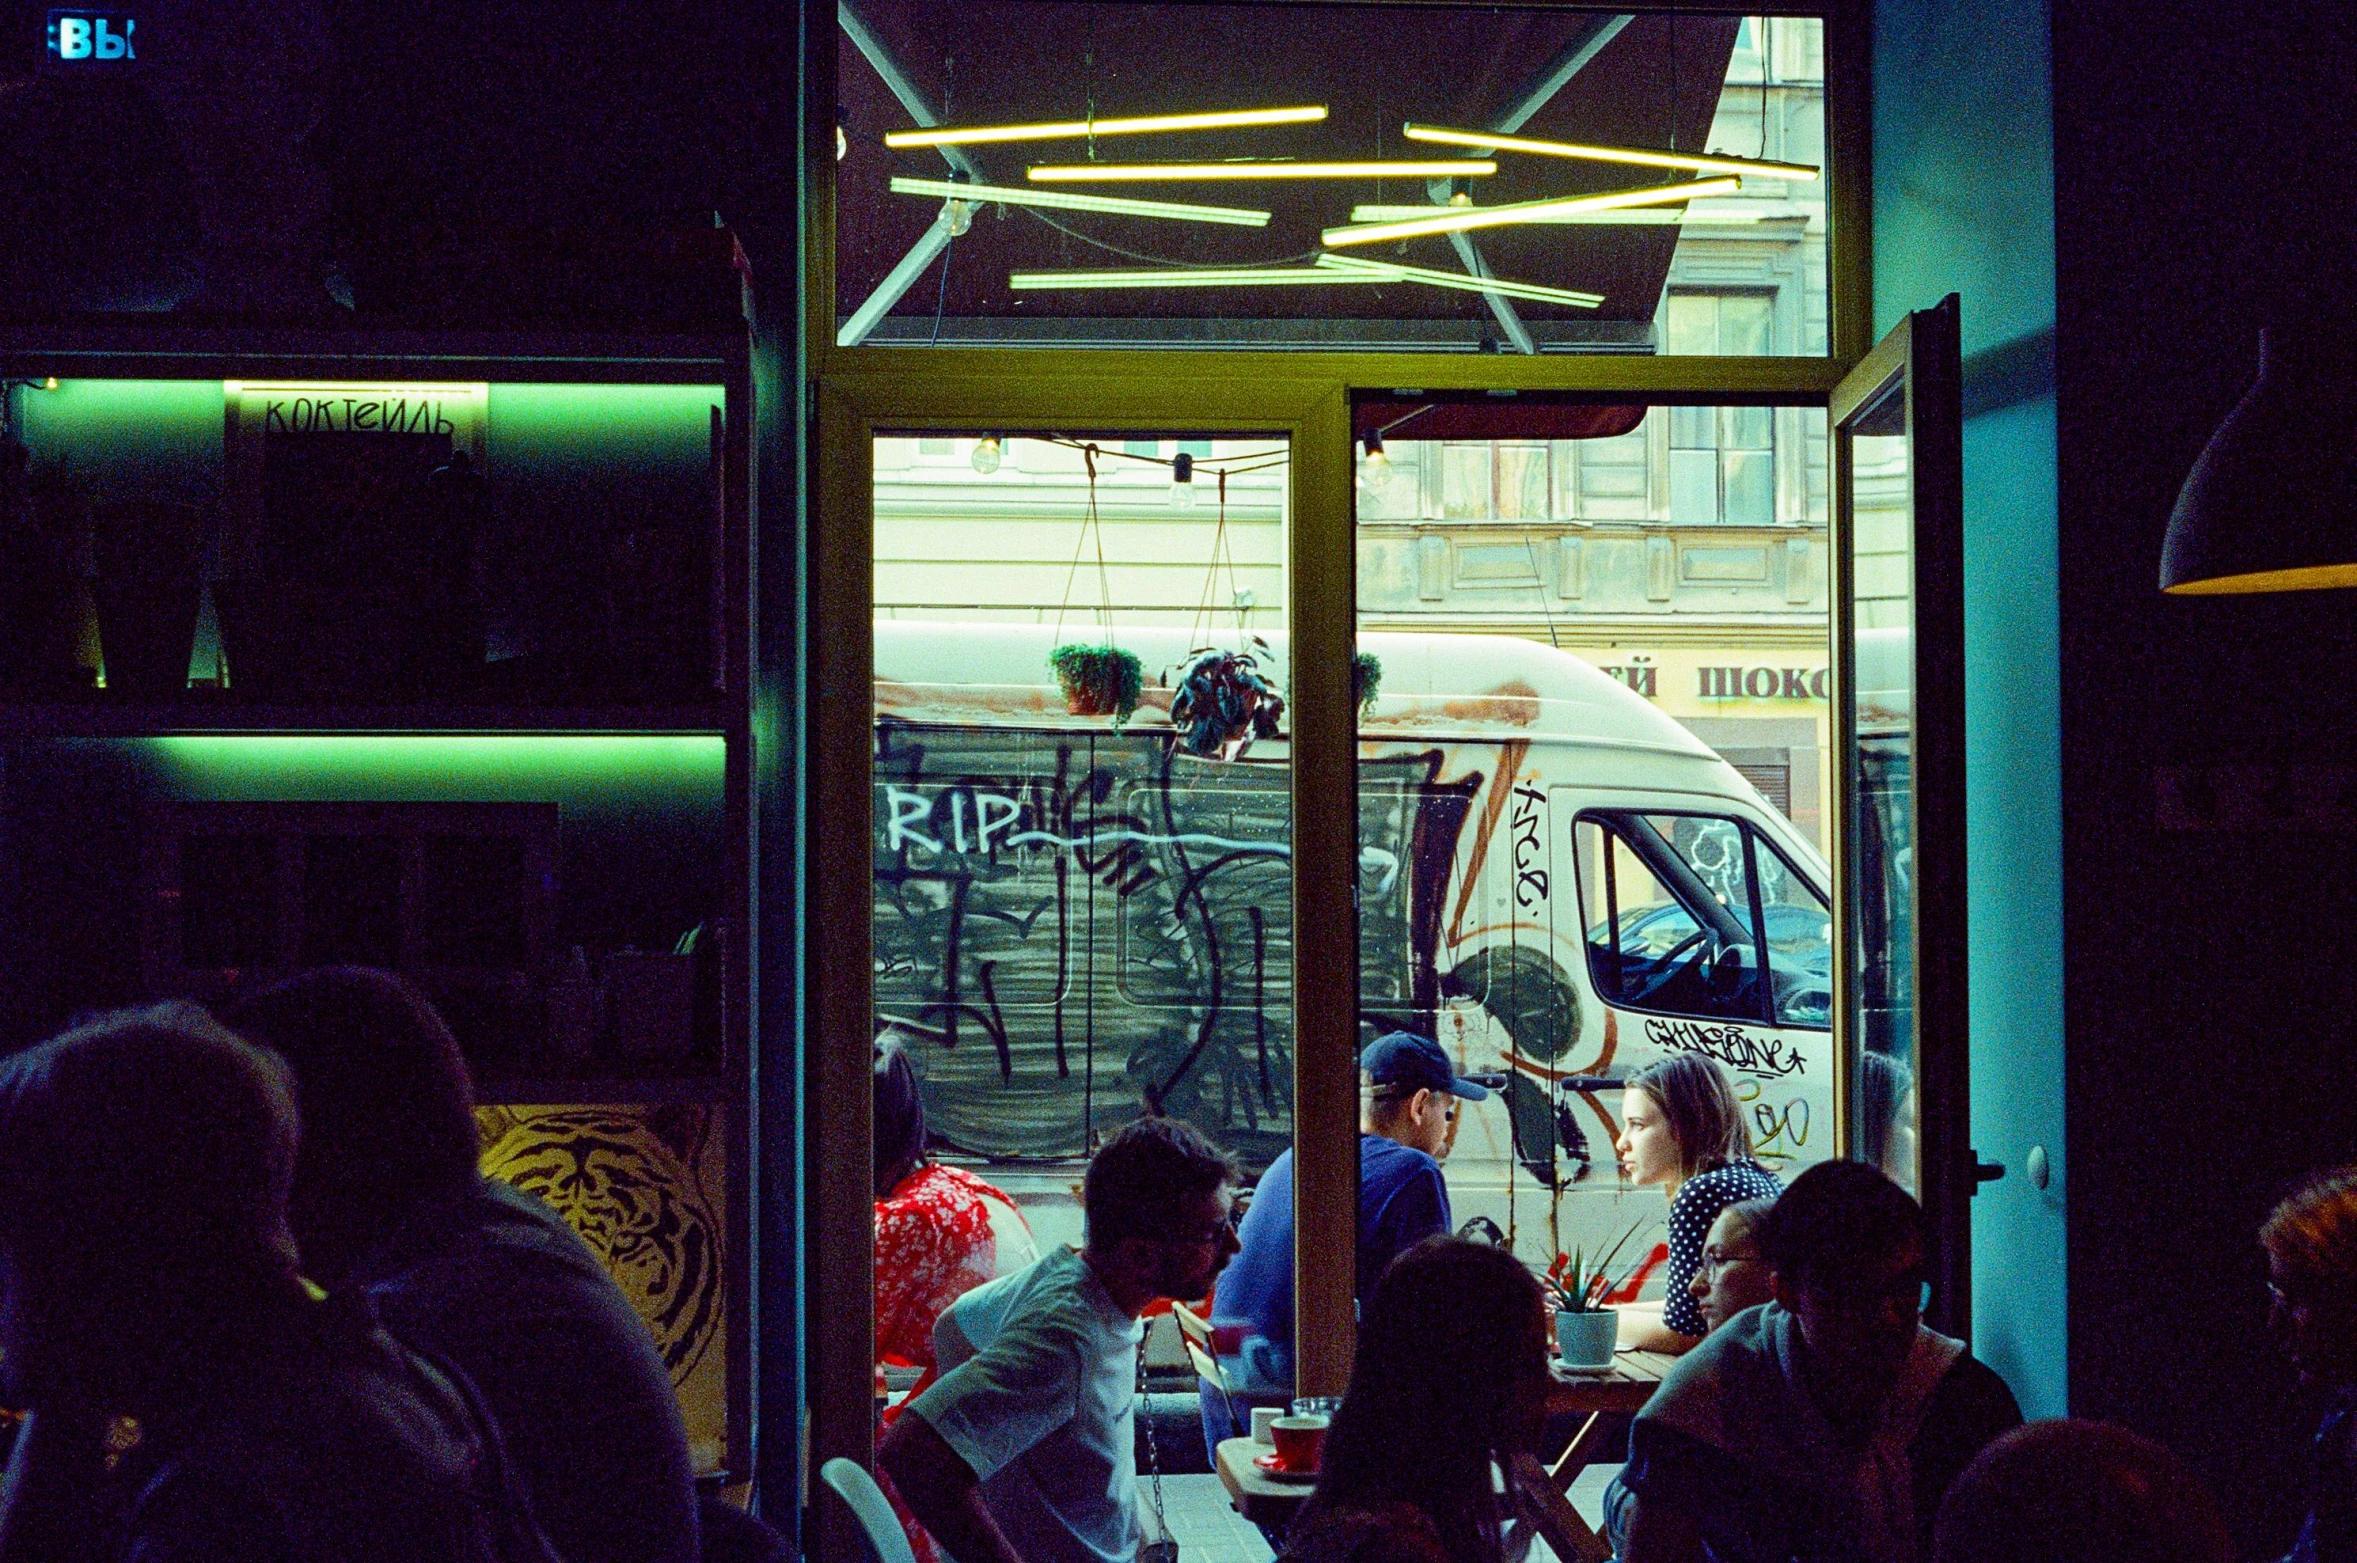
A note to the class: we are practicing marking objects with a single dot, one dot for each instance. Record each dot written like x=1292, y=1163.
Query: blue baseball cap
x=1402, y=1058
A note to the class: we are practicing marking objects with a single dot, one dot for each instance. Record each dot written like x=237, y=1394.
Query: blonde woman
x=1682, y=1131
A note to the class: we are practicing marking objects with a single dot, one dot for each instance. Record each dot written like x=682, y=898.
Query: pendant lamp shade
x=2271, y=502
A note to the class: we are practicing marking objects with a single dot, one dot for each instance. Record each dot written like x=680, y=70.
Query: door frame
x=1919, y=357
x=1305, y=396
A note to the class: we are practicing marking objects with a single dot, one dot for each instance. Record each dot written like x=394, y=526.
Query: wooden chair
x=1195, y=1330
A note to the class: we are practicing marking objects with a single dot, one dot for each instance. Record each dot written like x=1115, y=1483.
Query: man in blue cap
x=1409, y=1098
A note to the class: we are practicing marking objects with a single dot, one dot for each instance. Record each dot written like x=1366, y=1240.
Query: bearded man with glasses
x=1025, y=1449
x=1824, y=1426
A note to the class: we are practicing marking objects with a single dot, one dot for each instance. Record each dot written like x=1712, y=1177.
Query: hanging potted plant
x=1366, y=678
x=1098, y=680
x=1224, y=701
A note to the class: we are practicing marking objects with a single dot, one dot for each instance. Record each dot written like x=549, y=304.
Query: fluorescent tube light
x=1192, y=277
x=1071, y=129
x=1457, y=219
x=1075, y=201
x=1330, y=271
x=1258, y=168
x=1637, y=216
x=1487, y=141
x=1458, y=281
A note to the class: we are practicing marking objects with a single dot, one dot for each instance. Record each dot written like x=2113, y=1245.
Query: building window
x=1498, y=480
x=1722, y=459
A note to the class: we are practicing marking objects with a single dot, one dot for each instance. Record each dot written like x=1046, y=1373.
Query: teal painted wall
x=1964, y=203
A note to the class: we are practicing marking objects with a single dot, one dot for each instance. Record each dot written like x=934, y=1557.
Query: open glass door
x=1898, y=618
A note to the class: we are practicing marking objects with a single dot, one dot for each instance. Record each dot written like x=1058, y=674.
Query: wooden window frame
x=1304, y=397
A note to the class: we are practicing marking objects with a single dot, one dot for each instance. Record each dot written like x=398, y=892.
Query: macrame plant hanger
x=1207, y=609
x=1090, y=527
x=1099, y=678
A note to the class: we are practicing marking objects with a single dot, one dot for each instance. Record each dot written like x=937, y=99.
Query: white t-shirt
x=1037, y=1393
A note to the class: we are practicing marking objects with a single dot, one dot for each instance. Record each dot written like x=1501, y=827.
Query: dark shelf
x=603, y=1090
x=100, y=718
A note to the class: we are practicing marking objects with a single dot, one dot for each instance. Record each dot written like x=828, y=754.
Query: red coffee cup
x=1299, y=1440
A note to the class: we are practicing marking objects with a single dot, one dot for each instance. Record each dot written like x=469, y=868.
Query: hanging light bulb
x=1375, y=469
x=1182, y=481
x=987, y=454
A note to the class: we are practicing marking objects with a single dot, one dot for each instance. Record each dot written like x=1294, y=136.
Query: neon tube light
x=1070, y=129
x=1330, y=271
x=1488, y=141
x=1462, y=282
x=1457, y=219
x=1201, y=277
x=1075, y=201
x=1636, y=216
x=1258, y=168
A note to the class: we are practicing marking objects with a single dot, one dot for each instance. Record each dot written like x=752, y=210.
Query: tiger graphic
x=639, y=1204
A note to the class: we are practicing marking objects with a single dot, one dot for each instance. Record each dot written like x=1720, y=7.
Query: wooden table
x=1604, y=1399
x=1259, y=1497
x=1265, y=1500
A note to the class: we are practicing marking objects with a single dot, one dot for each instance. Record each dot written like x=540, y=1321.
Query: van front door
x=1701, y=936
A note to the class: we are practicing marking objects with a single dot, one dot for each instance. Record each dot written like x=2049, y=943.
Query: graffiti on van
x=1081, y=925
x=1074, y=926
x=1732, y=1046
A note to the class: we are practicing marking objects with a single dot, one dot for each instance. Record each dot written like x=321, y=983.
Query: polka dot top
x=1698, y=1204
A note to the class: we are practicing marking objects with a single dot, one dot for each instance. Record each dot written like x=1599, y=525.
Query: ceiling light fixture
x=1258, y=168
x=1643, y=157
x=2271, y=504
x=1076, y=201
x=1330, y=271
x=1197, y=277
x=1462, y=282
x=1074, y=129
x=1632, y=216
x=1457, y=219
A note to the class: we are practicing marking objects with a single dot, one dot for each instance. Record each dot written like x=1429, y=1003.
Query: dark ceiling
x=1656, y=83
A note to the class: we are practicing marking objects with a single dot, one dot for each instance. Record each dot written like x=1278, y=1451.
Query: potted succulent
x=1223, y=702
x=1098, y=680
x=1586, y=1327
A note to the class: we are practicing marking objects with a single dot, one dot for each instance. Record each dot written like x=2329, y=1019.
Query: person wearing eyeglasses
x=1025, y=1449
x=1826, y=1425
x=2311, y=1245
x=1734, y=1274
x=1410, y=1096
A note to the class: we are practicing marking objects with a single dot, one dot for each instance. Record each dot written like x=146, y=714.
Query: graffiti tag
x=1530, y=883
x=1730, y=1045
x=994, y=814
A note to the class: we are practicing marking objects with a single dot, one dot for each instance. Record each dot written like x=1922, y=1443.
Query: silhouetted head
x=2078, y=1492
x=1451, y=1374
x=1681, y=1120
x=1158, y=1197
x=1849, y=1250
x=388, y=1109
x=145, y=1159
x=900, y=1114
x=2311, y=1243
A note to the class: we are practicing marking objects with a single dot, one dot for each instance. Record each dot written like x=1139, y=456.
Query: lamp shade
x=2271, y=502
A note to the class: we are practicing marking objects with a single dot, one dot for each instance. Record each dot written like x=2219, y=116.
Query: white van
x=1557, y=881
